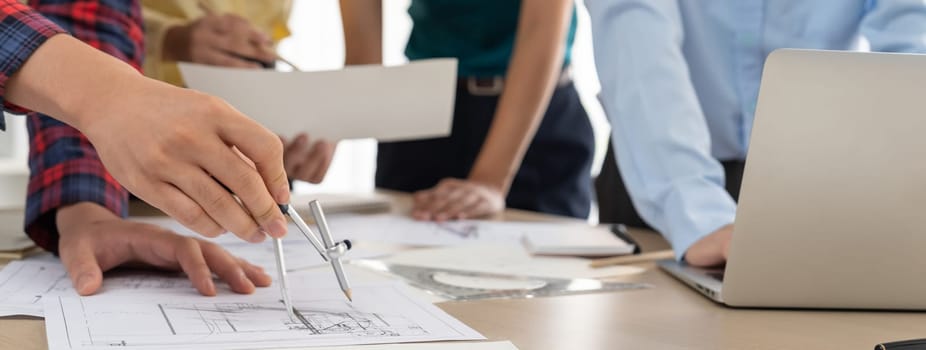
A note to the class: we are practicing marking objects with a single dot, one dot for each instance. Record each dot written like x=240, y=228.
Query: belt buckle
x=475, y=89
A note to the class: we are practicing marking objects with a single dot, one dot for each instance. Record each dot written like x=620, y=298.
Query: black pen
x=912, y=344
x=620, y=231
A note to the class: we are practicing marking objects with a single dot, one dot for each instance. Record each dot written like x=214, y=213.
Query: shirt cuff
x=49, y=190
x=693, y=212
x=18, y=41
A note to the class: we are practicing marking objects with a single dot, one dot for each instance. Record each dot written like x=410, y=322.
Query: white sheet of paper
x=299, y=253
x=484, y=345
x=380, y=313
x=576, y=238
x=24, y=284
x=405, y=102
x=506, y=259
x=399, y=229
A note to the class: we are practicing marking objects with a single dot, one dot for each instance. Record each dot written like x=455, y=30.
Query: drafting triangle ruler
x=472, y=285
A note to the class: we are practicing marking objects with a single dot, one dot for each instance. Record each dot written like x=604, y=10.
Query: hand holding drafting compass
x=330, y=251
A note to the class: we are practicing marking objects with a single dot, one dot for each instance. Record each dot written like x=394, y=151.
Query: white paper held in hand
x=405, y=102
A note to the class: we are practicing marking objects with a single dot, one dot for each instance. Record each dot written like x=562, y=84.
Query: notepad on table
x=574, y=240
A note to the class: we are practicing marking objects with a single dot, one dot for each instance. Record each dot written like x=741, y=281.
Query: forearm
x=660, y=133
x=22, y=32
x=532, y=74
x=362, y=21
x=64, y=170
x=56, y=81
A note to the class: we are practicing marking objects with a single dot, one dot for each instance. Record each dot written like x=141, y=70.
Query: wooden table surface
x=667, y=316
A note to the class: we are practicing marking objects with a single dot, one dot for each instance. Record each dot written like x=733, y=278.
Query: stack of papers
x=145, y=309
x=506, y=260
x=574, y=239
x=570, y=239
x=493, y=345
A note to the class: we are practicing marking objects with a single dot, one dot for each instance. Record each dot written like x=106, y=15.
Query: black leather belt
x=493, y=86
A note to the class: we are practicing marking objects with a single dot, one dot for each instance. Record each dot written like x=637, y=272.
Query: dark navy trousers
x=554, y=177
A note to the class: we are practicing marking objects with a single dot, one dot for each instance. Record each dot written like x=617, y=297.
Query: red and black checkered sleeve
x=65, y=168
x=22, y=31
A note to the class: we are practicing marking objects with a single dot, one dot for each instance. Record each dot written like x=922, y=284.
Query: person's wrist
x=124, y=93
x=78, y=214
x=497, y=182
x=711, y=249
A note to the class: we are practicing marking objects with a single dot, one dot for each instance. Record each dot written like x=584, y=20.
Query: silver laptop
x=832, y=210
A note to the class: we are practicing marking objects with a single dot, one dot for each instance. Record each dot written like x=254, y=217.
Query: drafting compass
x=330, y=251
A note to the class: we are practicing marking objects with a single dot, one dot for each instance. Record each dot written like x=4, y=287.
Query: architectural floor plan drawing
x=380, y=313
x=319, y=318
x=24, y=284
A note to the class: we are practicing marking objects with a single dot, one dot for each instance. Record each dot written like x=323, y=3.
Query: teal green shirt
x=479, y=33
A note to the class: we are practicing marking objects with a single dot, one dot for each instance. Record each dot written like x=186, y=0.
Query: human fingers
x=217, y=202
x=294, y=154
x=79, y=258
x=227, y=268
x=215, y=23
x=440, y=196
x=313, y=158
x=189, y=255
x=209, y=45
x=489, y=201
x=239, y=175
x=255, y=273
x=461, y=208
x=478, y=208
x=155, y=246
x=442, y=209
x=245, y=40
x=709, y=250
x=322, y=153
x=420, y=200
x=223, y=56
x=263, y=148
x=178, y=205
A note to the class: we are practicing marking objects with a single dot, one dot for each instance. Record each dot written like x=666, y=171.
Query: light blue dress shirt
x=680, y=79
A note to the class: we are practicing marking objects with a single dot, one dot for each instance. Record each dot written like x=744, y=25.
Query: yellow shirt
x=160, y=15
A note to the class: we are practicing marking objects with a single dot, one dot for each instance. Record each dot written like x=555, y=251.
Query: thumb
x=83, y=268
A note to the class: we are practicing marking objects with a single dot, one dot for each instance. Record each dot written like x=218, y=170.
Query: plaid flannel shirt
x=65, y=168
x=22, y=31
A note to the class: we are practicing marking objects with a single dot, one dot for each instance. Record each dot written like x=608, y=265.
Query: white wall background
x=14, y=172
